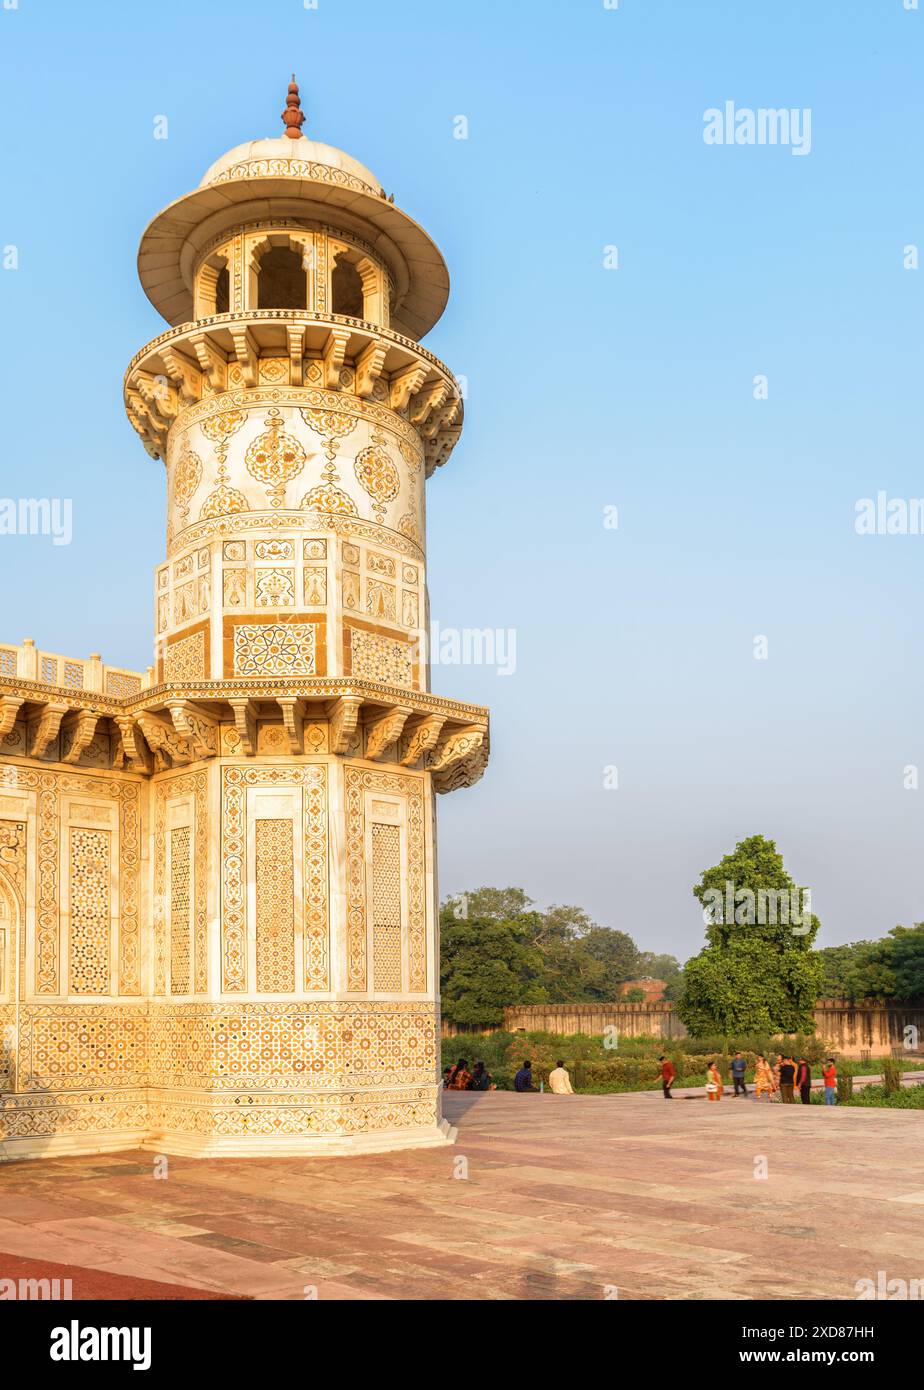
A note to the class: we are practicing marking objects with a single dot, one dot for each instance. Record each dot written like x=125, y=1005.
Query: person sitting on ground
x=668, y=1076
x=523, y=1081
x=459, y=1077
x=829, y=1076
x=763, y=1078
x=738, y=1069
x=481, y=1079
x=560, y=1081
x=714, y=1085
x=447, y=1073
x=804, y=1081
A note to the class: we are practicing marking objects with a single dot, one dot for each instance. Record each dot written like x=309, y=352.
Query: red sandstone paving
x=563, y=1196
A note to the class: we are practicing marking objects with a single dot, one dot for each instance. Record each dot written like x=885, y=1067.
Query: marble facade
x=218, y=927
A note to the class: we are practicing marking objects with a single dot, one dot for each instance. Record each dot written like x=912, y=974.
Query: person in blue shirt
x=738, y=1068
x=523, y=1081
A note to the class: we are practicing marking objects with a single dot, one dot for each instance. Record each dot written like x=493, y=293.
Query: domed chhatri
x=304, y=180
x=218, y=916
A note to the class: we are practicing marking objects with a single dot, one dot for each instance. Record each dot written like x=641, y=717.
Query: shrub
x=844, y=1088
x=891, y=1075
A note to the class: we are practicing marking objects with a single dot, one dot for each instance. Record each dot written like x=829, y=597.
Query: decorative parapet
x=27, y=662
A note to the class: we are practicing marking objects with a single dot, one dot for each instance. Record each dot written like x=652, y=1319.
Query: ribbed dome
x=288, y=158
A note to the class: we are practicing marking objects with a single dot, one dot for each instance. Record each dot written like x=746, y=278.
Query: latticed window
x=7, y=662
x=120, y=684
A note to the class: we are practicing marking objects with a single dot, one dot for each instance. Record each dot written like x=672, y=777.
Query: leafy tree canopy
x=497, y=950
x=758, y=971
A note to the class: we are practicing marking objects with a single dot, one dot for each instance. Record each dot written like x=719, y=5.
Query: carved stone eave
x=171, y=372
x=170, y=726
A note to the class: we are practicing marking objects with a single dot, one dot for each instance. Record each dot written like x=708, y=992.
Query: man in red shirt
x=829, y=1072
x=668, y=1076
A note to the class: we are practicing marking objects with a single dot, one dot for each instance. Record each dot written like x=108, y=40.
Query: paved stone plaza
x=564, y=1197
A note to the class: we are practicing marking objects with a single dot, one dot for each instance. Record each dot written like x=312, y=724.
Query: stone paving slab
x=563, y=1197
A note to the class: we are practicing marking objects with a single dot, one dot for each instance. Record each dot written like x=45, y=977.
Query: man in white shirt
x=560, y=1081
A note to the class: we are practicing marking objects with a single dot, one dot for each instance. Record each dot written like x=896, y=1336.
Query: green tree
x=498, y=950
x=758, y=972
x=616, y=952
x=485, y=966
x=908, y=961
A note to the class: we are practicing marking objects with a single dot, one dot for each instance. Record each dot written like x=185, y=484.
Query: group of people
x=781, y=1079
x=459, y=1078
x=786, y=1076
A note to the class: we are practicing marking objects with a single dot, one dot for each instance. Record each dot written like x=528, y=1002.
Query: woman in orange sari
x=459, y=1077
x=714, y=1084
x=763, y=1078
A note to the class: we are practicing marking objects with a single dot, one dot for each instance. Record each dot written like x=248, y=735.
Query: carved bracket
x=428, y=400
x=82, y=731
x=404, y=385
x=333, y=355
x=164, y=742
x=293, y=718
x=200, y=733
x=369, y=367
x=295, y=334
x=246, y=352
x=134, y=748
x=453, y=746
x=185, y=376
x=344, y=716
x=46, y=729
x=246, y=724
x=383, y=732
x=420, y=737
x=9, y=709
x=211, y=359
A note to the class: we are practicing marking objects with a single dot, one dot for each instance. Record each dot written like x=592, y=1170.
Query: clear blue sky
x=588, y=387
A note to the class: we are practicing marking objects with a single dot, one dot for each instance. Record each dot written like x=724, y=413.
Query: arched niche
x=280, y=273
x=357, y=285
x=213, y=288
